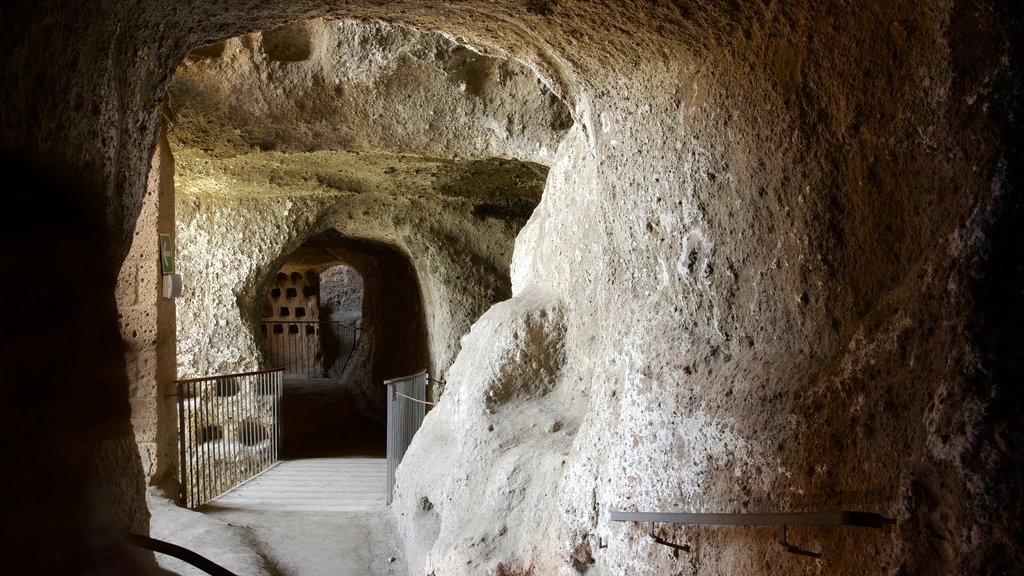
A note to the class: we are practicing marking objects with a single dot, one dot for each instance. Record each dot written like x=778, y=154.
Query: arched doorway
x=350, y=314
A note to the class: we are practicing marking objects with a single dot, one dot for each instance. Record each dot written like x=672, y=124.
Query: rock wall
x=341, y=294
x=776, y=258
x=147, y=326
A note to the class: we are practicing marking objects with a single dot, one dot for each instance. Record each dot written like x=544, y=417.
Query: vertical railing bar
x=232, y=461
x=200, y=455
x=191, y=448
x=236, y=445
x=195, y=448
x=244, y=419
x=248, y=439
x=278, y=414
x=243, y=437
x=278, y=379
x=218, y=460
x=268, y=451
x=263, y=408
x=181, y=444
x=244, y=448
x=211, y=463
x=254, y=456
x=211, y=447
x=226, y=467
x=208, y=460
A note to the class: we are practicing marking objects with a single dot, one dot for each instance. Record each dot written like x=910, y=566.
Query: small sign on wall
x=166, y=254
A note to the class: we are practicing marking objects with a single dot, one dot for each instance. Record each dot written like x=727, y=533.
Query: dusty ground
x=261, y=543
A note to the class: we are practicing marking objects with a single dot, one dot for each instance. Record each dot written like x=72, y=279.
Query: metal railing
x=778, y=519
x=229, y=431
x=313, y=349
x=407, y=403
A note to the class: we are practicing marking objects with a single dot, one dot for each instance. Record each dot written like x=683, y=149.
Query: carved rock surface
x=784, y=237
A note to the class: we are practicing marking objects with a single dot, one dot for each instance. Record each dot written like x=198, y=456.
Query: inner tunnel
x=341, y=412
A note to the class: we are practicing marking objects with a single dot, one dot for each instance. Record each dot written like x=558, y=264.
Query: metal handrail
x=778, y=519
x=222, y=376
x=179, y=552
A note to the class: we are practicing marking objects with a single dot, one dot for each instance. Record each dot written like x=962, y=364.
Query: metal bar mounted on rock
x=778, y=519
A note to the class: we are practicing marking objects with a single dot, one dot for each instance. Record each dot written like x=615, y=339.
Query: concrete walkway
x=310, y=517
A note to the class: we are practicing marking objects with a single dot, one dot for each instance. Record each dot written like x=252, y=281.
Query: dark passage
x=320, y=418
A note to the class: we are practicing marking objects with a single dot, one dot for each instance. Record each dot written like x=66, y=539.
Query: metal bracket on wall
x=779, y=519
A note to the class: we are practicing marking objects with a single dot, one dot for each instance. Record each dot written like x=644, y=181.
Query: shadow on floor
x=321, y=419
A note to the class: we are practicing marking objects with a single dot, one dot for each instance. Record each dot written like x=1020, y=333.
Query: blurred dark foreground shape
x=72, y=481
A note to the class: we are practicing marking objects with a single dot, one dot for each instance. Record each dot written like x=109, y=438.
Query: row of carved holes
x=300, y=312
x=307, y=291
x=292, y=329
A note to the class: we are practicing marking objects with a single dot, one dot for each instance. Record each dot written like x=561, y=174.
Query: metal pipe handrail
x=222, y=376
x=179, y=552
x=404, y=378
x=779, y=519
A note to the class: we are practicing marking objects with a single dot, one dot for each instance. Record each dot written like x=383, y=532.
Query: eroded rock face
x=341, y=294
x=337, y=85
x=377, y=132
x=774, y=237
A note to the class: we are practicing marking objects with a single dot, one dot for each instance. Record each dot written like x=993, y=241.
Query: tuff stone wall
x=773, y=268
x=341, y=294
x=147, y=325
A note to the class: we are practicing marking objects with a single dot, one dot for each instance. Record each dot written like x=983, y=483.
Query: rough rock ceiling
x=332, y=105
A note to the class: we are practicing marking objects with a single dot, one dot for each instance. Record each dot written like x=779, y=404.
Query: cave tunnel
x=361, y=285
x=776, y=266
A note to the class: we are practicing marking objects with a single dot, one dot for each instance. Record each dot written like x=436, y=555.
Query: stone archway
x=346, y=414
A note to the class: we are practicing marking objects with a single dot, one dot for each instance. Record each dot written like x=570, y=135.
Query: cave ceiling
x=343, y=108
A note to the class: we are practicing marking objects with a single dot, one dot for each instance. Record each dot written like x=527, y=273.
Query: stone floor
x=310, y=517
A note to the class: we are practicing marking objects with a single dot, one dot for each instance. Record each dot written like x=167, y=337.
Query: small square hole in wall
x=300, y=312
x=263, y=328
x=293, y=329
x=278, y=329
x=285, y=311
x=310, y=330
x=291, y=293
x=275, y=293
